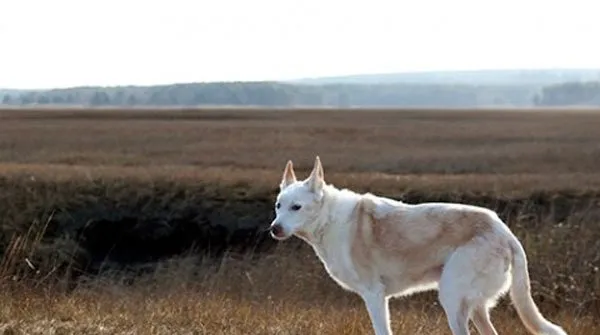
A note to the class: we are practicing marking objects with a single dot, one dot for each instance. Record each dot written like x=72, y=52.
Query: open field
x=421, y=142
x=90, y=197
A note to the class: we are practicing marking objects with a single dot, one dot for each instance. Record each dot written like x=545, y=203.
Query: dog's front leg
x=377, y=306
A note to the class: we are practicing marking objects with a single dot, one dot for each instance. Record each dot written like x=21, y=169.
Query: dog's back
x=409, y=244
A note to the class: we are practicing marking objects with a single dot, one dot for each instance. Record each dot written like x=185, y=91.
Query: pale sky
x=62, y=43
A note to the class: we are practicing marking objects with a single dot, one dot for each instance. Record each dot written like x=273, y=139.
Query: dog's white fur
x=380, y=248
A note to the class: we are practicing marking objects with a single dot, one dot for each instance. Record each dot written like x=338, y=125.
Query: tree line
x=572, y=93
x=278, y=94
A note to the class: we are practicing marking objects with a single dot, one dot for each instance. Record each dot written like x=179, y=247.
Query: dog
x=380, y=248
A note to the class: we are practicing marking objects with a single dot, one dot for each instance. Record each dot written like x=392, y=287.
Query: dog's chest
x=339, y=266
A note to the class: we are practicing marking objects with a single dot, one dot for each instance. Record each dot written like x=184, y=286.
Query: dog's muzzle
x=277, y=230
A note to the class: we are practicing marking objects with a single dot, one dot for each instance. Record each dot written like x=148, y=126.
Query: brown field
x=538, y=168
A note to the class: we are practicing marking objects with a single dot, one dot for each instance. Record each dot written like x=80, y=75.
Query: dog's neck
x=331, y=202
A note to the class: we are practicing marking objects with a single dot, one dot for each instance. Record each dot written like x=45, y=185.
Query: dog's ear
x=316, y=179
x=289, y=177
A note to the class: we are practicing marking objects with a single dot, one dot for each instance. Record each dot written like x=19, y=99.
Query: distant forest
x=352, y=93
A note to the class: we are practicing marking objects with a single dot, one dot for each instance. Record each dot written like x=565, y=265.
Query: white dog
x=380, y=248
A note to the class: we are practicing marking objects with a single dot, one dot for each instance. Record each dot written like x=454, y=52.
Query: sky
x=65, y=43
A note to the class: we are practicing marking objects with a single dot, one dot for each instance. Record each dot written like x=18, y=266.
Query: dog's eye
x=295, y=207
x=278, y=205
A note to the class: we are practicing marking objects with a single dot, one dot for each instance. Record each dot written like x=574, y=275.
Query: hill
x=465, y=89
x=476, y=77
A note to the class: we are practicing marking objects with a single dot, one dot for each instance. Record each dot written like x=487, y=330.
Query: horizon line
x=312, y=78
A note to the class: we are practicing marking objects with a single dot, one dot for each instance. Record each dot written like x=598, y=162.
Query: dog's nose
x=276, y=229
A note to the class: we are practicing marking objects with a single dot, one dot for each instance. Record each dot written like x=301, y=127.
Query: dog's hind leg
x=481, y=319
x=476, y=274
x=378, y=308
x=457, y=310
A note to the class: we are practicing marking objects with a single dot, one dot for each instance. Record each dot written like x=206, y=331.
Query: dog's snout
x=276, y=229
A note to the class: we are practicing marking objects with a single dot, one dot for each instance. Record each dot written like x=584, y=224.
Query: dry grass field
x=62, y=169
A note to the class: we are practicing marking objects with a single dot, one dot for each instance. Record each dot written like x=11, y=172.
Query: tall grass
x=285, y=293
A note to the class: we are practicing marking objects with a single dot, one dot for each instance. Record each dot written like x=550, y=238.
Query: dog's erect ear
x=289, y=177
x=316, y=179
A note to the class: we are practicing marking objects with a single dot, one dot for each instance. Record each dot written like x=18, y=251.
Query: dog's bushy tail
x=520, y=294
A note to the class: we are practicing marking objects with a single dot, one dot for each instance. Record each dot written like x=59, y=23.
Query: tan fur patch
x=416, y=239
x=361, y=246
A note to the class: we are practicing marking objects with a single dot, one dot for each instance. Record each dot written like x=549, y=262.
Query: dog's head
x=298, y=202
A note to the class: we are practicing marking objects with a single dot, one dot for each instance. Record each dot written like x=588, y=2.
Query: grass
x=274, y=295
x=62, y=169
x=413, y=142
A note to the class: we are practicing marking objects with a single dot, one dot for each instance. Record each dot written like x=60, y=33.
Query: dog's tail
x=520, y=294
